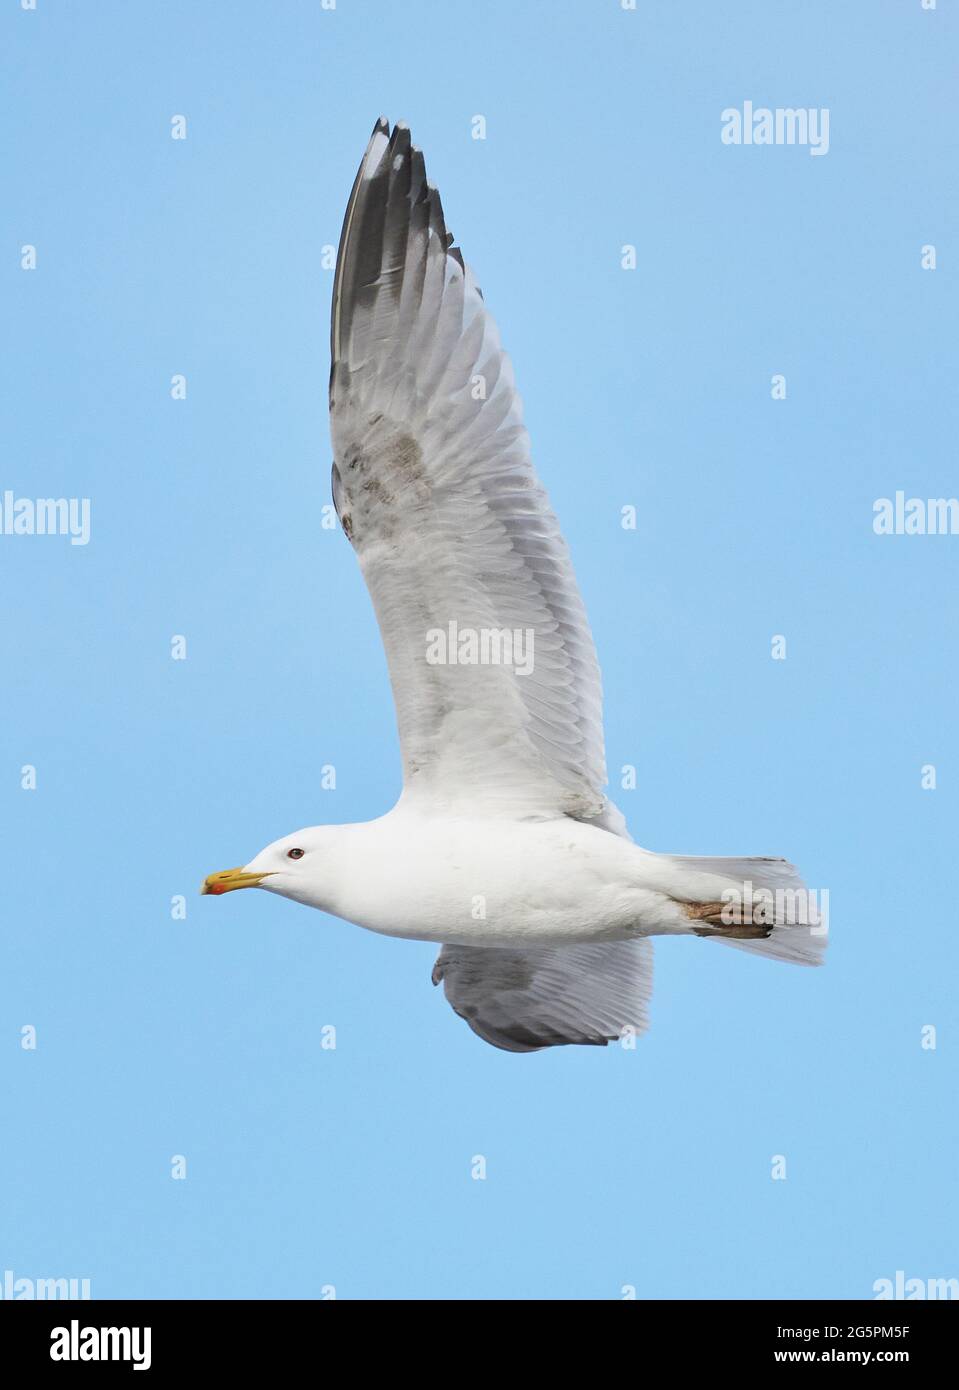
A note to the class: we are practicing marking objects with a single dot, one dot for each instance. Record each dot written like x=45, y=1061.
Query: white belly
x=499, y=883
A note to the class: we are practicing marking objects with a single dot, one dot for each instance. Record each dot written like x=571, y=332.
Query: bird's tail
x=757, y=905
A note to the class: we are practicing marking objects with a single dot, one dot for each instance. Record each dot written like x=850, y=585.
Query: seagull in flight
x=503, y=847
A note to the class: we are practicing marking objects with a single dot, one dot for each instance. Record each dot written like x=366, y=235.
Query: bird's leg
x=725, y=919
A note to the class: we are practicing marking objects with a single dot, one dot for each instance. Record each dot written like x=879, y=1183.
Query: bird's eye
x=294, y=854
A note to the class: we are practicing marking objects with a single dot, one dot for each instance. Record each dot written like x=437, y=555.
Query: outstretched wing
x=524, y=1000
x=491, y=659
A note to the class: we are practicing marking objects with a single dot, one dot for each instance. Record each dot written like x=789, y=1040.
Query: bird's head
x=295, y=867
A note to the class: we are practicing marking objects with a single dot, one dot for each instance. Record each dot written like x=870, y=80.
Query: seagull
x=503, y=847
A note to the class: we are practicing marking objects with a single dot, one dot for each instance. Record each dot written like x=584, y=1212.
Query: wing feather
x=435, y=487
x=525, y=1000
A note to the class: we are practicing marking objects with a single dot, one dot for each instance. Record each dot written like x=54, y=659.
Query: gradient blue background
x=652, y=388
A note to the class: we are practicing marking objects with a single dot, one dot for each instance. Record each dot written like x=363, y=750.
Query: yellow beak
x=228, y=879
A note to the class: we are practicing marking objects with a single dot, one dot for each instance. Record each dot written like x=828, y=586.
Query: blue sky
x=309, y=1167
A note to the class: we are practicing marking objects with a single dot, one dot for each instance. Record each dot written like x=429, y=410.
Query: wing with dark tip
x=491, y=659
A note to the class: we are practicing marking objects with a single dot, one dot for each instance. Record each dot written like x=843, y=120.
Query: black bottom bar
x=163, y=1339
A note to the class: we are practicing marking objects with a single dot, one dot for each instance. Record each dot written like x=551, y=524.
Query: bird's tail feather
x=768, y=892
